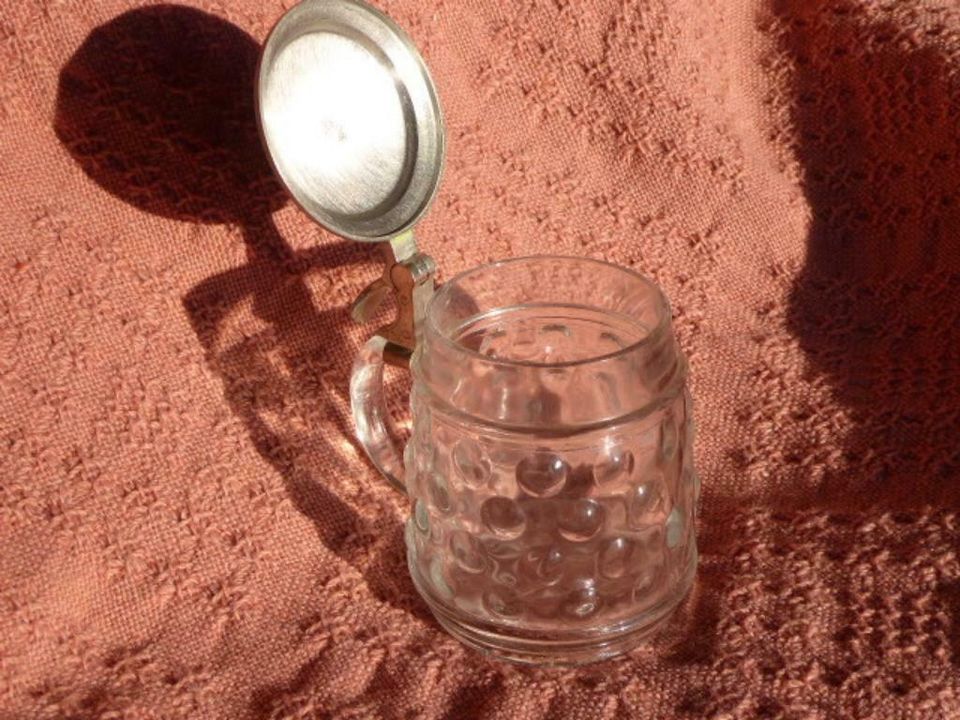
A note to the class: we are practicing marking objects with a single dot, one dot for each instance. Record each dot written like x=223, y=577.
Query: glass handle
x=370, y=414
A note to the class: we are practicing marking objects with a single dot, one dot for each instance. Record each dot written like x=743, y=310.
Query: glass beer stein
x=550, y=469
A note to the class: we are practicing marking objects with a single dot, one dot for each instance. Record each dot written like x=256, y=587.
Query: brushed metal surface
x=350, y=118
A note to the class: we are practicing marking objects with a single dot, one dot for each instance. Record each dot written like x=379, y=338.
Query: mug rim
x=664, y=319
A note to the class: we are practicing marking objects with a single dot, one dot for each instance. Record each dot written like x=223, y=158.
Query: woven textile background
x=187, y=529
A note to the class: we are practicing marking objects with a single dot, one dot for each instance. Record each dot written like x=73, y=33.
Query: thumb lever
x=408, y=274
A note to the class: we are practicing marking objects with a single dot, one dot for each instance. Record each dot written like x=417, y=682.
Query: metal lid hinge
x=409, y=276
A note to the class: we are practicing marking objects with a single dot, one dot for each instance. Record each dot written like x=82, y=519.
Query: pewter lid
x=350, y=118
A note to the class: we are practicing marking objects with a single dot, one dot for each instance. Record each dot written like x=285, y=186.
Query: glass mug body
x=550, y=467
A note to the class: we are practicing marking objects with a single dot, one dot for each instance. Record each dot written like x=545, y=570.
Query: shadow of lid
x=157, y=106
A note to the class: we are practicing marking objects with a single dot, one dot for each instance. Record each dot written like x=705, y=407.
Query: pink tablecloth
x=187, y=529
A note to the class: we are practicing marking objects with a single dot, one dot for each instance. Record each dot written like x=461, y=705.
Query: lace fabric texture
x=187, y=529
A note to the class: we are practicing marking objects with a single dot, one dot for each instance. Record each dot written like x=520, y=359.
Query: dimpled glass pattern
x=550, y=469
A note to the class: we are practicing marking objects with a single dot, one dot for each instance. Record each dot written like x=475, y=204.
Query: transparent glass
x=550, y=469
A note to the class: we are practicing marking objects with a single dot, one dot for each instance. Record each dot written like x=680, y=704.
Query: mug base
x=573, y=649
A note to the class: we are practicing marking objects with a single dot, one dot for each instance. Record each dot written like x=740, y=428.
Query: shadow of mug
x=157, y=107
